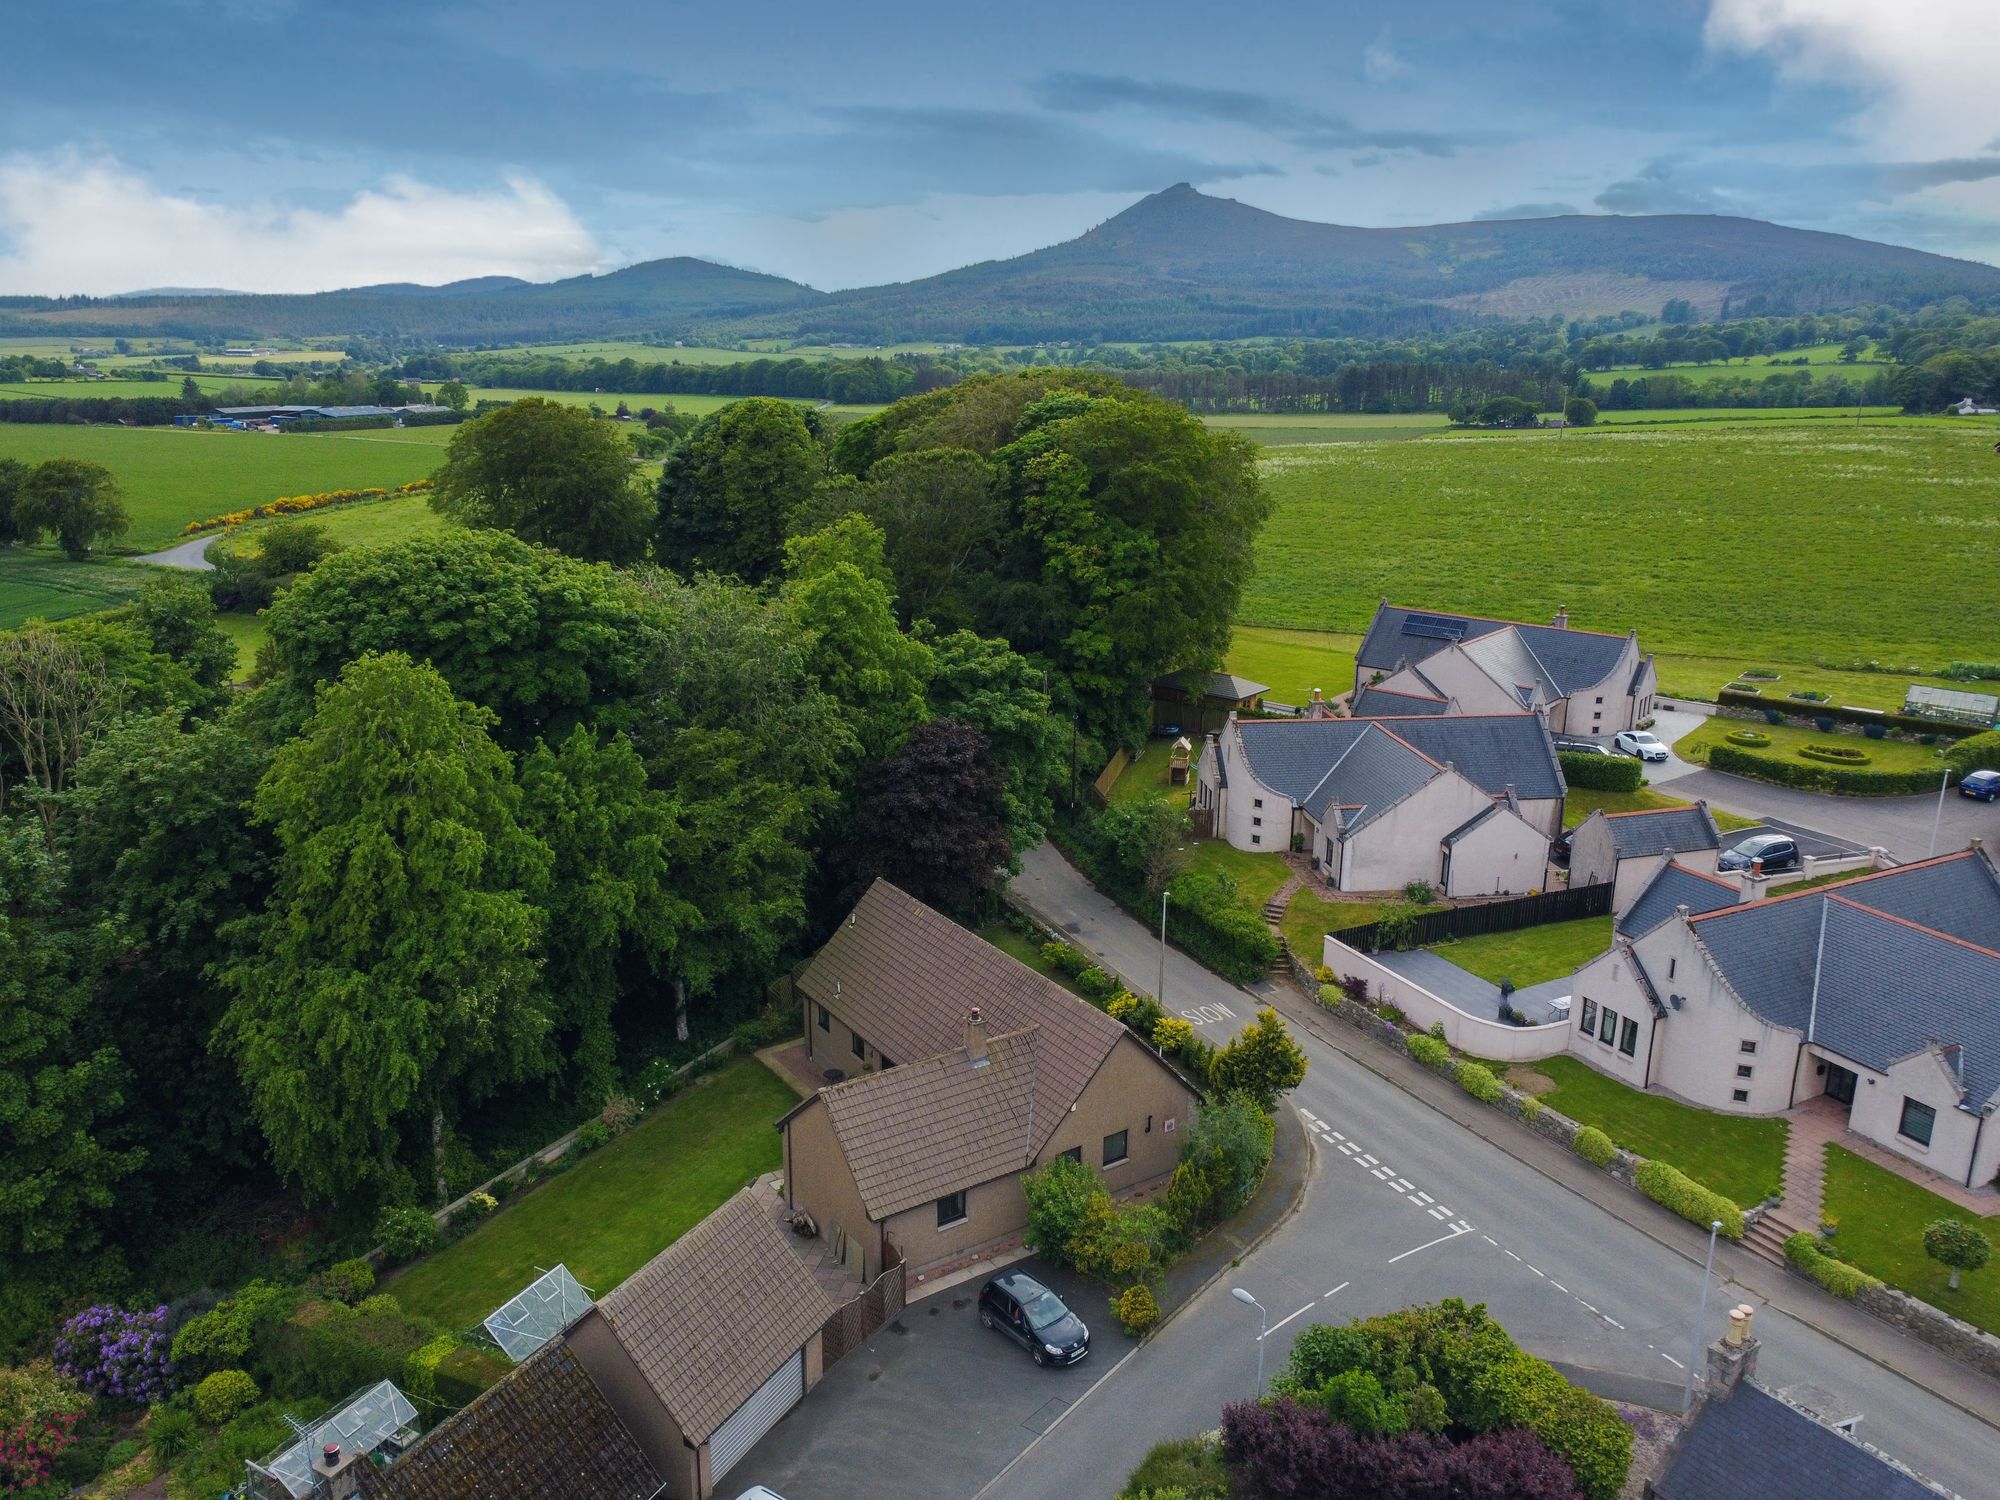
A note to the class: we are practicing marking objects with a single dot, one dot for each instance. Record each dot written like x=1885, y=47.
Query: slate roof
x=1506, y=657
x=1683, y=830
x=904, y=977
x=1756, y=1447
x=920, y=1130
x=1493, y=751
x=1671, y=886
x=1373, y=774
x=1886, y=985
x=1471, y=823
x=545, y=1432
x=1223, y=685
x=1378, y=703
x=710, y=1317
x=1570, y=658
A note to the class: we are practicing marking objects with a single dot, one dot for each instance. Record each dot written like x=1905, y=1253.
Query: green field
x=1869, y=544
x=1282, y=429
x=1291, y=663
x=1787, y=741
x=174, y=475
x=369, y=523
x=699, y=406
x=39, y=583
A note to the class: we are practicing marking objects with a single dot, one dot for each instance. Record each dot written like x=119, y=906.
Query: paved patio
x=1467, y=991
x=1820, y=1121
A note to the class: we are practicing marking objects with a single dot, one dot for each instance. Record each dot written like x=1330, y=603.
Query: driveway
x=933, y=1404
x=192, y=555
x=1466, y=990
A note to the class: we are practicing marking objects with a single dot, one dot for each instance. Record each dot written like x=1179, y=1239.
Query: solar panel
x=552, y=1302
x=1434, y=627
x=368, y=1420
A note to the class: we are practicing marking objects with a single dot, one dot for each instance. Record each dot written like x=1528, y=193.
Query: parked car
x=1581, y=747
x=1774, y=849
x=1982, y=786
x=1640, y=743
x=758, y=1492
x=1034, y=1317
x=1559, y=850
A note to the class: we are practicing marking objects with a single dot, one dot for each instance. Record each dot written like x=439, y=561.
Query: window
x=860, y=1047
x=1628, y=1039
x=1672, y=963
x=1256, y=822
x=1256, y=838
x=1600, y=703
x=1589, y=1017
x=1748, y=1049
x=825, y=1020
x=951, y=1210
x=1741, y=1096
x=1744, y=1070
x=1256, y=801
x=1114, y=1148
x=1918, y=1121
x=1608, y=1030
x=1075, y=1153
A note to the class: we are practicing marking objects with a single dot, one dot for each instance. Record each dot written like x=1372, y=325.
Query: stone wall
x=1939, y=1329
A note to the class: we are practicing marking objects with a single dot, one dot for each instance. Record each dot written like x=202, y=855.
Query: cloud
x=1316, y=130
x=1660, y=188
x=1527, y=211
x=1379, y=62
x=70, y=225
x=1674, y=185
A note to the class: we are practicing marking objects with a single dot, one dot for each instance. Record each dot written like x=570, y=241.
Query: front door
x=1840, y=1083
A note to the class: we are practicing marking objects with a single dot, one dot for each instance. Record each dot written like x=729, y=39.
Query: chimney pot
x=1681, y=911
x=975, y=1037
x=1561, y=621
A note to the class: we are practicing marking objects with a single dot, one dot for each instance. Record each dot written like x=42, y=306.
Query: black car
x=1033, y=1317
x=1774, y=849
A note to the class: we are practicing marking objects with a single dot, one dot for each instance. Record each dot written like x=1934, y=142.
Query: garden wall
x=1934, y=1326
x=1468, y=1033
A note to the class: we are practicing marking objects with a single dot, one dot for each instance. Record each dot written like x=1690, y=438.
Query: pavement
x=191, y=555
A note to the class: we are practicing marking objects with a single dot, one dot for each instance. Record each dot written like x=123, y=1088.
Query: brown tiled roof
x=544, y=1431
x=938, y=1125
x=904, y=977
x=709, y=1318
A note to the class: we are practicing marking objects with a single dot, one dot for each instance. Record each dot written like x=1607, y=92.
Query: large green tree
x=941, y=516
x=551, y=474
x=12, y=473
x=177, y=614
x=729, y=489
x=541, y=639
x=980, y=681
x=75, y=500
x=392, y=977
x=61, y=1094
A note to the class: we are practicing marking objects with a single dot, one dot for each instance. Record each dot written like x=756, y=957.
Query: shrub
x=1322, y=974
x=1477, y=1080
x=1066, y=957
x=1823, y=723
x=224, y=1334
x=1428, y=1050
x=420, y=1369
x=1355, y=988
x=620, y=1114
x=331, y=1349
x=1185, y=1468
x=1601, y=773
x=1981, y=752
x=111, y=1351
x=592, y=1135
x=1955, y=1243
x=1773, y=716
x=344, y=1281
x=1837, y=1276
x=1747, y=737
x=1531, y=1108
x=405, y=1233
x=776, y=1023
x=479, y=1205
x=39, y=1413
x=1217, y=928
x=170, y=1432
x=1229, y=1144
x=1839, y=754
x=222, y=1395
x=1060, y=1197
x=1419, y=893
x=1097, y=984
x=1875, y=731
x=1842, y=779
x=1673, y=1189
x=1171, y=1033
x=1137, y=1309
x=1262, y=1061
x=1593, y=1145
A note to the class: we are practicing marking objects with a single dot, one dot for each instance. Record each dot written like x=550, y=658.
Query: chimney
x=1681, y=912
x=1561, y=621
x=1733, y=1357
x=975, y=1037
x=338, y=1473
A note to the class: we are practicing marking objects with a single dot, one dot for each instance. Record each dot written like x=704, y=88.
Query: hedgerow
x=1837, y=1276
x=1673, y=1189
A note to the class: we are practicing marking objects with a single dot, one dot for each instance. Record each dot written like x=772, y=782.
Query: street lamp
x=1938, y=816
x=1263, y=1327
x=1700, y=1318
x=1160, y=989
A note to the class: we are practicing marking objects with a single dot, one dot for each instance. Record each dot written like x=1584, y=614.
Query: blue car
x=1982, y=785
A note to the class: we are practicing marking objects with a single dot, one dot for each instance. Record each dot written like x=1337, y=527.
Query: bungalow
x=1467, y=802
x=1881, y=993
x=974, y=1070
x=1628, y=849
x=1581, y=681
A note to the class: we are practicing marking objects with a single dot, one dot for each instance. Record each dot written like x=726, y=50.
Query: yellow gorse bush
x=291, y=505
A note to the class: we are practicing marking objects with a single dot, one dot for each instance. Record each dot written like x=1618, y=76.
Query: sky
x=289, y=145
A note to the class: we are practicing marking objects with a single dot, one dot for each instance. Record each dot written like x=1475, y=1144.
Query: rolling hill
x=1175, y=265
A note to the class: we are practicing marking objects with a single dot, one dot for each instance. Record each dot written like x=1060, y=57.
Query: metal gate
x=756, y=1416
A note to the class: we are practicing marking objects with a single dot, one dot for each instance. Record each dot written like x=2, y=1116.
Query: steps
x=1767, y=1237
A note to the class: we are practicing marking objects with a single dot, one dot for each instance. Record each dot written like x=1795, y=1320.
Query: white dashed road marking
x=1341, y=1288
x=1283, y=1321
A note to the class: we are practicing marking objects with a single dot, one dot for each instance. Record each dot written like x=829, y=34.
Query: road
x=1404, y=1204
x=190, y=555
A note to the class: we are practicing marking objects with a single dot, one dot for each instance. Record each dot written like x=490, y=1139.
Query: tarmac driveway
x=932, y=1405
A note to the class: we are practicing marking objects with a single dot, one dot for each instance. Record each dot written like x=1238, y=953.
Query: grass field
x=619, y=1206
x=1581, y=802
x=1880, y=1219
x=368, y=524
x=1531, y=955
x=1869, y=538
x=173, y=475
x=1291, y=663
x=39, y=583
x=1786, y=742
x=1277, y=430
x=1743, y=1159
x=699, y=406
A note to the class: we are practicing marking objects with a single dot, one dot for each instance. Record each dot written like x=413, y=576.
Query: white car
x=1638, y=742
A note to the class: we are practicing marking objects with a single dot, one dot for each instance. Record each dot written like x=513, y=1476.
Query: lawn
x=174, y=475
x=619, y=1206
x=1741, y=1158
x=1583, y=801
x=369, y=523
x=1294, y=662
x=1705, y=676
x=1657, y=530
x=248, y=632
x=1531, y=954
x=1881, y=1218
x=1146, y=776
x=1309, y=918
x=1786, y=742
x=39, y=583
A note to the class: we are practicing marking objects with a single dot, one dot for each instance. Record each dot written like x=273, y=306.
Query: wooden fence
x=877, y=1304
x=1491, y=916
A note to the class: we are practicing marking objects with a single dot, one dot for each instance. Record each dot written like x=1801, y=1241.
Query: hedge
x=1840, y=755
x=1844, y=780
x=1208, y=919
x=1980, y=753
x=1428, y=1050
x=1837, y=1276
x=1601, y=773
x=1673, y=1189
x=1594, y=1146
x=1477, y=1080
x=1914, y=723
x=336, y=424
x=433, y=418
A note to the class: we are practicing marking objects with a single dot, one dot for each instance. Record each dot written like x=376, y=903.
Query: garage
x=757, y=1416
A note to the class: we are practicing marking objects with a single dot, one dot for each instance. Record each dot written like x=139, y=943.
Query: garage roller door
x=757, y=1416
